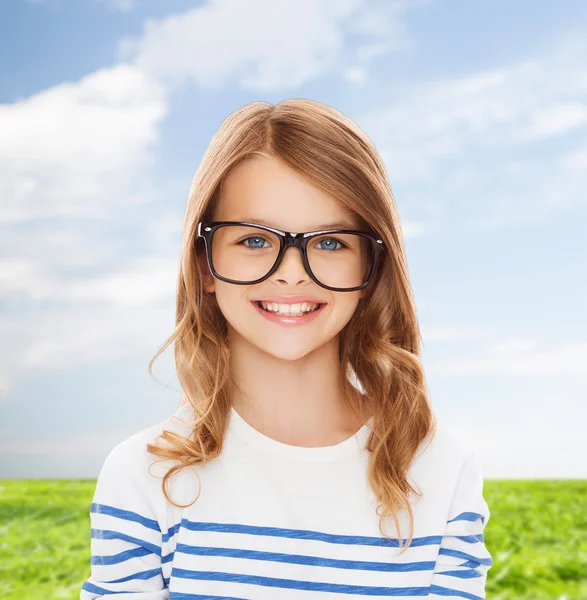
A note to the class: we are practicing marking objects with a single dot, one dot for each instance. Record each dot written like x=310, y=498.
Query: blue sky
x=479, y=110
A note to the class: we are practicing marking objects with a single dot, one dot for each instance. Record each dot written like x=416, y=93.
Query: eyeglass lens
x=244, y=253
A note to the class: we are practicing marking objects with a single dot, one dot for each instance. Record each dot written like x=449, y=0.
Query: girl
x=305, y=447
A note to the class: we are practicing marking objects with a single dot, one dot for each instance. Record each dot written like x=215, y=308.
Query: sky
x=479, y=110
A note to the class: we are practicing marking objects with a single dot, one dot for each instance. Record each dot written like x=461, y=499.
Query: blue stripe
x=468, y=516
x=470, y=539
x=115, y=559
x=302, y=559
x=127, y=515
x=94, y=589
x=300, y=585
x=280, y=532
x=465, y=574
x=458, y=554
x=107, y=534
x=183, y=596
x=306, y=534
x=171, y=532
x=473, y=564
x=140, y=575
x=442, y=591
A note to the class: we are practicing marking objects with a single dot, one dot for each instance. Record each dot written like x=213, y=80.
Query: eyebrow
x=269, y=223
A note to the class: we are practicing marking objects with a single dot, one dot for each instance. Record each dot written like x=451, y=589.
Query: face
x=264, y=188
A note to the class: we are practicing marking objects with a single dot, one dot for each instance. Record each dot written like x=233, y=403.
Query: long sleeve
x=463, y=559
x=126, y=537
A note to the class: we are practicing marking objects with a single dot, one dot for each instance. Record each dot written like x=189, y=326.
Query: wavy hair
x=379, y=346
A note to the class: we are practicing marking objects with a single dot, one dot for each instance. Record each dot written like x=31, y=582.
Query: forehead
x=269, y=192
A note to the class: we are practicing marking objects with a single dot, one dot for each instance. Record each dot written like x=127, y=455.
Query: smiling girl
x=304, y=460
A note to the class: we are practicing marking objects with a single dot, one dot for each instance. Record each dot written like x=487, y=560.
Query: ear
x=208, y=280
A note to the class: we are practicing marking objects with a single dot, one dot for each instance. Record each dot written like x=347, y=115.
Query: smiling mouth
x=272, y=312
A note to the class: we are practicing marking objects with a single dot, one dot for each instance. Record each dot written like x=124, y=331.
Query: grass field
x=537, y=535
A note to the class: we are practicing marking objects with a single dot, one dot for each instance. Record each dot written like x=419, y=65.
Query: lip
x=286, y=319
x=289, y=299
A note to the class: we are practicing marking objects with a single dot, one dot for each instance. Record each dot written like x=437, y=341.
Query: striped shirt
x=274, y=521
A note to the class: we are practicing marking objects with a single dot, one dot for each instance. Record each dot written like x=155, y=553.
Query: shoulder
x=448, y=446
x=441, y=459
x=131, y=477
x=131, y=457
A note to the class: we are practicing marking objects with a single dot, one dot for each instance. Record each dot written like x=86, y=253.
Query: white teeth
x=289, y=309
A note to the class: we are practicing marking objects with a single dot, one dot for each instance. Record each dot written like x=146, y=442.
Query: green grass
x=44, y=538
x=537, y=535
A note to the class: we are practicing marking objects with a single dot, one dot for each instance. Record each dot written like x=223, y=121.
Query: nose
x=292, y=266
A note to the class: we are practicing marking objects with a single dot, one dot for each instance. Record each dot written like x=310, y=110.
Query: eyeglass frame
x=206, y=229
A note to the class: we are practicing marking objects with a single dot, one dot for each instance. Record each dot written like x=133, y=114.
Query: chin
x=291, y=352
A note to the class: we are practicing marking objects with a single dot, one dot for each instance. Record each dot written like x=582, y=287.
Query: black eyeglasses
x=346, y=266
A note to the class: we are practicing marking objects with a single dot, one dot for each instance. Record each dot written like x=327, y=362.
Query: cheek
x=230, y=302
x=343, y=311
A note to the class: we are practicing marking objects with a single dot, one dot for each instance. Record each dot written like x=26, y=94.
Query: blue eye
x=331, y=246
x=253, y=238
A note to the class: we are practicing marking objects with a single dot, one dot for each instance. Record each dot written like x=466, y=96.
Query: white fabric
x=278, y=521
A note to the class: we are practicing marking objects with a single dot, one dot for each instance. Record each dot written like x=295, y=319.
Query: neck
x=299, y=402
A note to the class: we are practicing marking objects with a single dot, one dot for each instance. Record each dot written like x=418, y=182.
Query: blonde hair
x=380, y=343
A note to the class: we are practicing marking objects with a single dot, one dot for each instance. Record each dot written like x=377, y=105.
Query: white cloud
x=145, y=281
x=355, y=75
x=384, y=24
x=76, y=149
x=86, y=444
x=263, y=44
x=124, y=5
x=497, y=108
x=554, y=120
x=414, y=229
x=63, y=338
x=518, y=356
x=74, y=166
x=457, y=333
x=575, y=161
x=149, y=281
x=89, y=319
